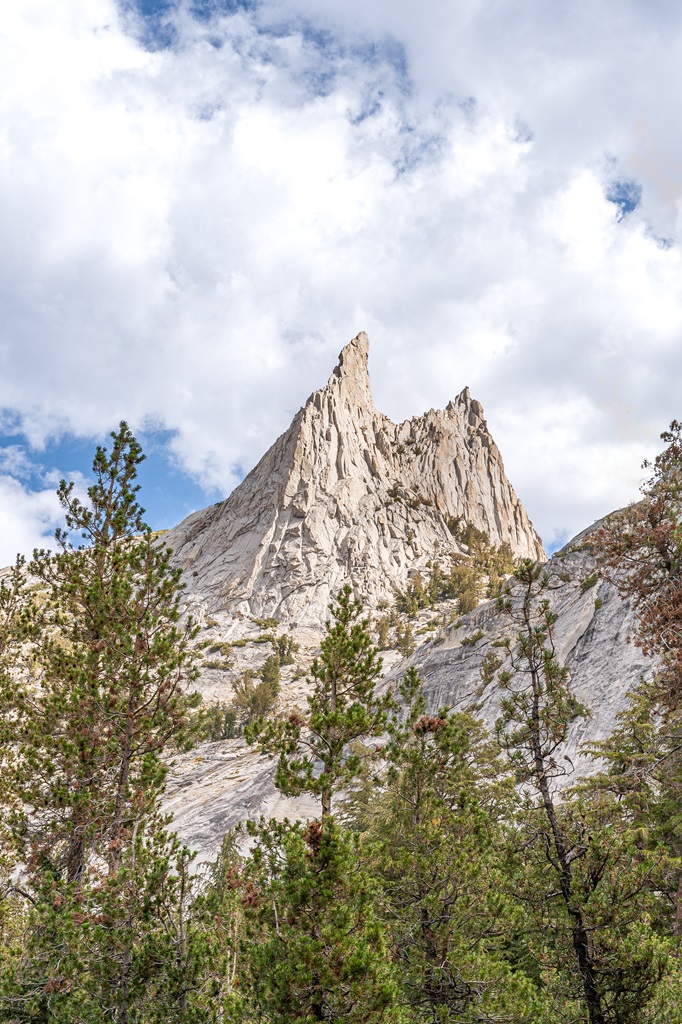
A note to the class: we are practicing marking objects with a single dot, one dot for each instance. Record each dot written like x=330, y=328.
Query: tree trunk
x=75, y=857
x=677, y=924
x=119, y=806
x=579, y=932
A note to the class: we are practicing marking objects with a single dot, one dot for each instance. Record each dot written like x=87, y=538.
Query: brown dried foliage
x=313, y=837
x=640, y=551
x=251, y=896
x=429, y=723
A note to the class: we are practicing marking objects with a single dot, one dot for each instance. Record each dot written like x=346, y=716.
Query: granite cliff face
x=347, y=495
x=229, y=781
x=591, y=636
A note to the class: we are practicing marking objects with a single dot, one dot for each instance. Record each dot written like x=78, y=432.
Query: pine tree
x=218, y=913
x=101, y=691
x=405, y=639
x=314, y=949
x=436, y=842
x=589, y=878
x=342, y=707
x=254, y=697
x=12, y=636
x=383, y=627
x=14, y=898
x=639, y=550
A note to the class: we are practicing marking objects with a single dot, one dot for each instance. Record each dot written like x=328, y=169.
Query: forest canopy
x=451, y=874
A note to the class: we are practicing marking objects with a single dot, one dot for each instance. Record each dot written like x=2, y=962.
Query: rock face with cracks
x=592, y=638
x=229, y=782
x=345, y=495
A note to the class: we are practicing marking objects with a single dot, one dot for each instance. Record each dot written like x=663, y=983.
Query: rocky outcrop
x=592, y=639
x=228, y=782
x=347, y=495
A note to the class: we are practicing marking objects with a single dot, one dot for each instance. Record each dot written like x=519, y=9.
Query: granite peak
x=346, y=495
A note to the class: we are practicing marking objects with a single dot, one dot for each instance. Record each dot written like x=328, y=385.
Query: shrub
x=589, y=582
x=383, y=633
x=256, y=695
x=405, y=639
x=215, y=722
x=469, y=641
x=286, y=648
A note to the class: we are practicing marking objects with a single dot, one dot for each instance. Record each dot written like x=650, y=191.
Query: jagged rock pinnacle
x=351, y=373
x=353, y=358
x=345, y=495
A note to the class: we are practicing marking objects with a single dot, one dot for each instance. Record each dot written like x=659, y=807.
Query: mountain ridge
x=346, y=495
x=231, y=781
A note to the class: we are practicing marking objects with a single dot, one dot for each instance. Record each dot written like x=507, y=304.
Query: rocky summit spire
x=345, y=495
x=352, y=370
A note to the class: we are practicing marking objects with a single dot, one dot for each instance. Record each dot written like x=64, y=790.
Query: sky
x=202, y=201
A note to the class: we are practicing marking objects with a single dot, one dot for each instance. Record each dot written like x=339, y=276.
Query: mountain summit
x=345, y=495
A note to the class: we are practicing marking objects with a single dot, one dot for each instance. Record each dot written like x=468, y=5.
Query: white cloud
x=190, y=235
x=15, y=462
x=29, y=519
x=30, y=511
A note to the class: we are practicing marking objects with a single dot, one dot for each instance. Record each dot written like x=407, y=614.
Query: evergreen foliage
x=98, y=690
x=590, y=878
x=104, y=679
x=640, y=551
x=287, y=648
x=405, y=641
x=315, y=948
x=436, y=842
x=312, y=749
x=215, y=722
x=466, y=579
x=452, y=876
x=254, y=695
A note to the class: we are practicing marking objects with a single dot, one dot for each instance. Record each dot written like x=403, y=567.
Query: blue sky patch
x=327, y=51
x=157, y=29
x=557, y=542
x=330, y=54
x=625, y=194
x=202, y=10
x=152, y=8
x=370, y=110
x=205, y=10
x=389, y=52
x=166, y=492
